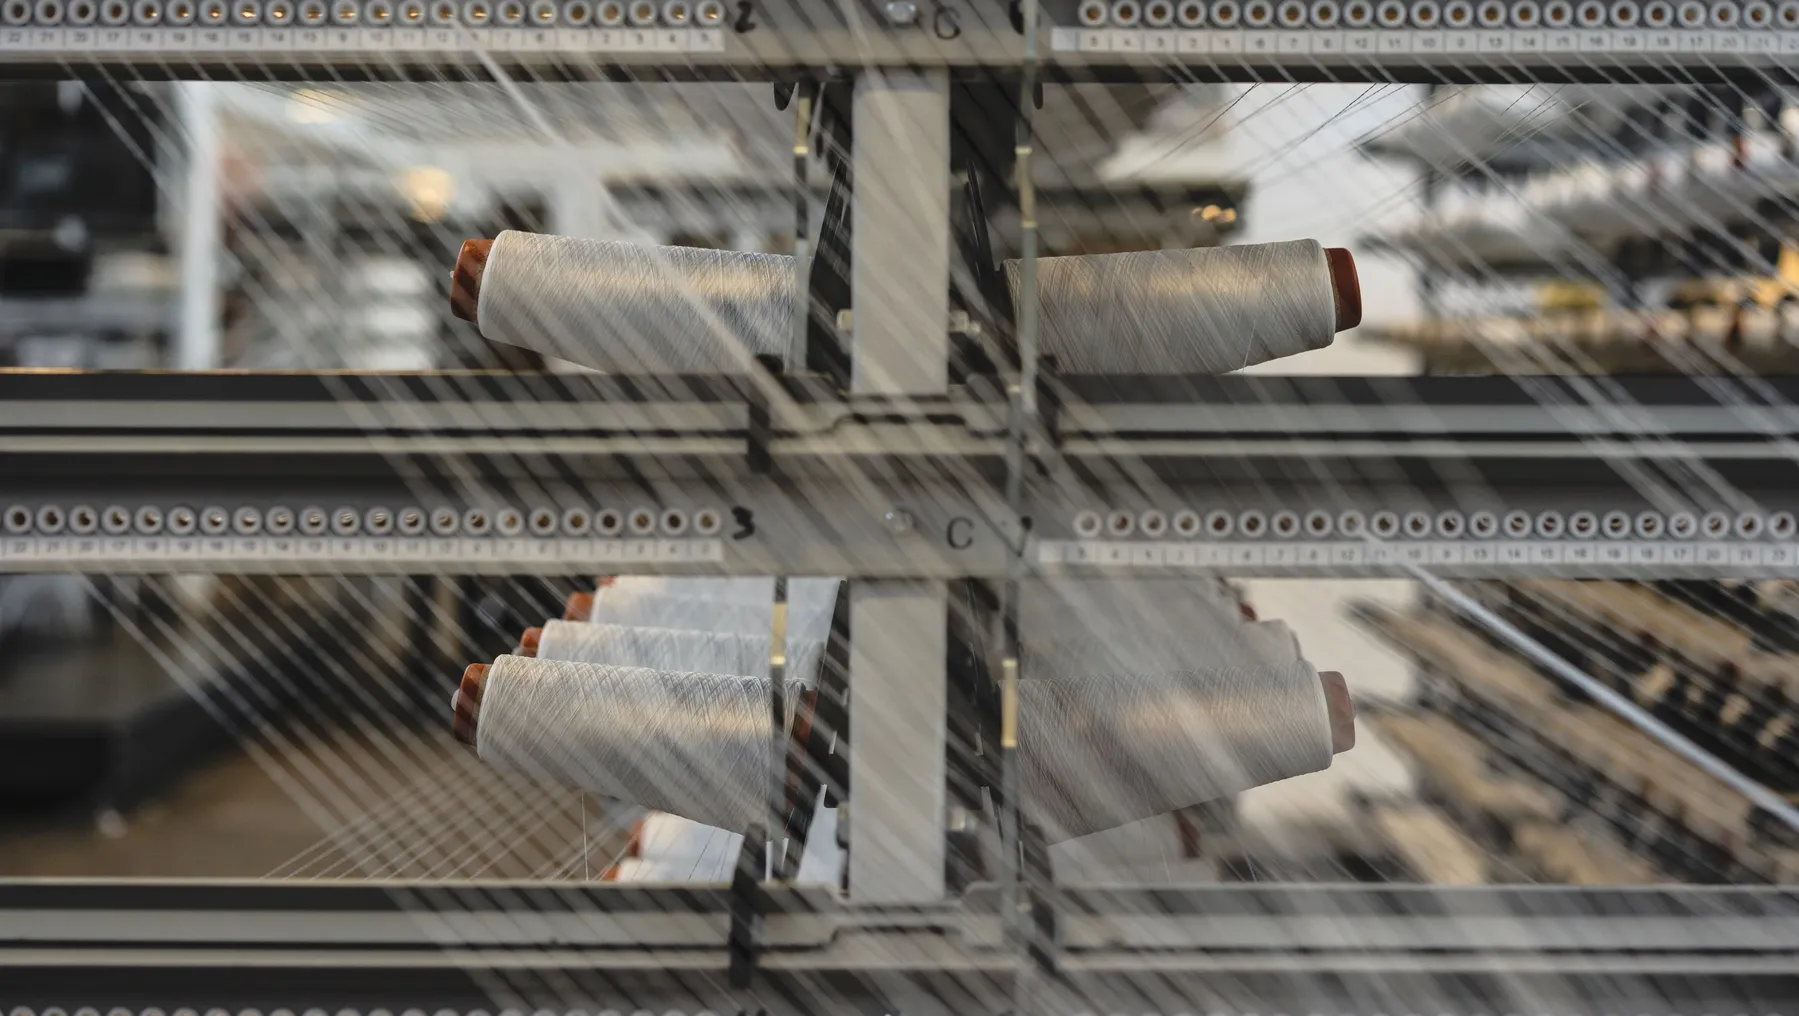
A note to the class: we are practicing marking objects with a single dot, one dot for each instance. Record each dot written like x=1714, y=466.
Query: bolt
x=902, y=12
x=898, y=520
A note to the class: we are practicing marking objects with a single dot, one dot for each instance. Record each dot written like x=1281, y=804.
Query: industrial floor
x=226, y=820
x=303, y=811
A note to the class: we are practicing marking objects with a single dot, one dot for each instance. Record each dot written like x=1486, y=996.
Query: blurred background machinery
x=1625, y=230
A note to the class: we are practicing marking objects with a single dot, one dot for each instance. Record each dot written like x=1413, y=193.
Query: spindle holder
x=905, y=300
x=884, y=226
x=897, y=261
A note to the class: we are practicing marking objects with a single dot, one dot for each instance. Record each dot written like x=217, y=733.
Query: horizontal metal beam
x=1068, y=214
x=1247, y=918
x=181, y=413
x=1227, y=948
x=783, y=39
x=498, y=473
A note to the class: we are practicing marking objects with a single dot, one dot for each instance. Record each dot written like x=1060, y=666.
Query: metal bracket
x=1049, y=401
x=759, y=422
x=1043, y=936
x=748, y=905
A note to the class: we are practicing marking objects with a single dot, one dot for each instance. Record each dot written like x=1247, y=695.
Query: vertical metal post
x=777, y=680
x=1430, y=190
x=200, y=231
x=900, y=346
x=898, y=699
x=900, y=266
x=1023, y=422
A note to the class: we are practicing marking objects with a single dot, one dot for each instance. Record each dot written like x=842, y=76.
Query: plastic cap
x=1346, y=286
x=465, y=279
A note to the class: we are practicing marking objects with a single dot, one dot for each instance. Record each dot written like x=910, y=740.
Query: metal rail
x=1274, y=949
x=785, y=40
x=494, y=473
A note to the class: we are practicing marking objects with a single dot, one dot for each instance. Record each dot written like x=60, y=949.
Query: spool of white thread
x=807, y=595
x=730, y=589
x=736, y=606
x=1270, y=642
x=634, y=308
x=626, y=308
x=693, y=745
x=1095, y=752
x=1174, y=625
x=710, y=615
x=674, y=849
x=705, y=652
x=1102, y=751
x=1207, y=310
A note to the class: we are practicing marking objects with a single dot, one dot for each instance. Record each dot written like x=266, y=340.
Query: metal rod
x=1027, y=223
x=197, y=337
x=1022, y=421
x=777, y=688
x=802, y=221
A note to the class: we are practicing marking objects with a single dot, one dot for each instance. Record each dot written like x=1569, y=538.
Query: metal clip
x=759, y=429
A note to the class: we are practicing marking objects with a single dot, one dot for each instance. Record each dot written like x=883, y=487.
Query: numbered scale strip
x=777, y=39
x=1518, y=50
x=925, y=534
x=28, y=42
x=1471, y=558
x=369, y=555
x=726, y=39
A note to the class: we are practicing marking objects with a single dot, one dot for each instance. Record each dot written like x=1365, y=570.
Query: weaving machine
x=972, y=514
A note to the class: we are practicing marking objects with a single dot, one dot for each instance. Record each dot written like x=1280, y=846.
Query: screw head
x=902, y=12
x=898, y=520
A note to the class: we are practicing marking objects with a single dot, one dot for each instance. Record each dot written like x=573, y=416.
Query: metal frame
x=792, y=39
x=900, y=349
x=900, y=270
x=898, y=694
x=1416, y=447
x=1217, y=949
